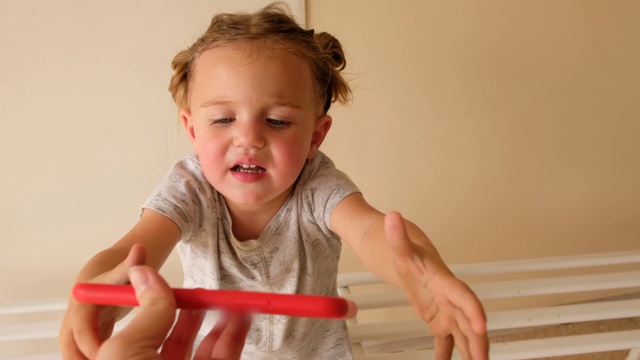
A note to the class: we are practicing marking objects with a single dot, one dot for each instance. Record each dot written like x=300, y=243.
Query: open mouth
x=251, y=169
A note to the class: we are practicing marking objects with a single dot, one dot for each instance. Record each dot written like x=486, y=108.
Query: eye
x=278, y=123
x=222, y=121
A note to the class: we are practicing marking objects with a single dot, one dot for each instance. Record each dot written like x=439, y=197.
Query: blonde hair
x=272, y=24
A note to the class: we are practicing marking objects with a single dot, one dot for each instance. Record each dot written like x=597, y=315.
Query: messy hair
x=274, y=25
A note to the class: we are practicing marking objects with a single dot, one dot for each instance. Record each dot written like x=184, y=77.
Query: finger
x=401, y=245
x=85, y=330
x=156, y=313
x=70, y=351
x=462, y=297
x=68, y=347
x=119, y=274
x=396, y=233
x=470, y=319
x=461, y=343
x=443, y=347
x=107, y=319
x=226, y=340
x=179, y=344
x=477, y=344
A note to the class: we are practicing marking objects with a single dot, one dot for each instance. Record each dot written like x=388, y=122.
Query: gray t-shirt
x=296, y=253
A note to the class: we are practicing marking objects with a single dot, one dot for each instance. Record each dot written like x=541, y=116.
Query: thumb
x=396, y=234
x=157, y=306
x=405, y=253
x=120, y=274
x=146, y=331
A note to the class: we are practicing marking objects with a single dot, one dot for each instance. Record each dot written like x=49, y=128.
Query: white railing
x=607, y=287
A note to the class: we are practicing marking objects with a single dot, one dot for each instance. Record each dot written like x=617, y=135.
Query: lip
x=247, y=160
x=247, y=177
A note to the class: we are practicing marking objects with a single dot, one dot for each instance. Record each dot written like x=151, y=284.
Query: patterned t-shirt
x=296, y=253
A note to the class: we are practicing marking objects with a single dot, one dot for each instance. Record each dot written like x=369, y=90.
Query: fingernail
x=139, y=279
x=352, y=310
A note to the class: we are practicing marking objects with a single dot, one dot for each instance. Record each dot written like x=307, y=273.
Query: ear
x=187, y=122
x=323, y=124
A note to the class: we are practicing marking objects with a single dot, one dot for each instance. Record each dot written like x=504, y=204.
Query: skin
x=257, y=106
x=148, y=330
x=253, y=110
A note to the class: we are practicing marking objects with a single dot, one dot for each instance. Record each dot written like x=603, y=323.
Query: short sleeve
x=184, y=196
x=323, y=187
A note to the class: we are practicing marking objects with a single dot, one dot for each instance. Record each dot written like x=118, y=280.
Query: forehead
x=249, y=64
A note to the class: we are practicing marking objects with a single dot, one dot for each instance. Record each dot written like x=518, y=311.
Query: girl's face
x=254, y=120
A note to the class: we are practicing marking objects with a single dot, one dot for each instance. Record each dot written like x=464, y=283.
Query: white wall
x=88, y=127
x=505, y=129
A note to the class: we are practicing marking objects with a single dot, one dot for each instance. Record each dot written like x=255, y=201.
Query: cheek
x=200, y=148
x=208, y=150
x=212, y=161
x=295, y=147
x=204, y=138
x=296, y=155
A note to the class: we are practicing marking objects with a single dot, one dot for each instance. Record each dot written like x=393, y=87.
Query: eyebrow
x=228, y=102
x=215, y=102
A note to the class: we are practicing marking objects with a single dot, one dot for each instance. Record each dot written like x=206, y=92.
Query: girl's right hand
x=86, y=326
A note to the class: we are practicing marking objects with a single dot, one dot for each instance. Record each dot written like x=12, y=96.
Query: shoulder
x=320, y=169
x=185, y=196
x=184, y=185
x=321, y=187
x=188, y=166
x=186, y=175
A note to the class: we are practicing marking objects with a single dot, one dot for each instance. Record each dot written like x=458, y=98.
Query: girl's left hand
x=449, y=307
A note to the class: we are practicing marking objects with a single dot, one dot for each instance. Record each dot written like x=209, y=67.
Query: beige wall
x=505, y=129
x=88, y=127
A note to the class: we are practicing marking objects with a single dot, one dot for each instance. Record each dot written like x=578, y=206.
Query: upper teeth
x=245, y=166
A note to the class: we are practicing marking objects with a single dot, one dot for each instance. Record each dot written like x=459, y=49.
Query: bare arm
x=362, y=227
x=154, y=231
x=85, y=326
x=397, y=251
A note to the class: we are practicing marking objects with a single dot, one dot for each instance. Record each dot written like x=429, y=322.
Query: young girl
x=260, y=208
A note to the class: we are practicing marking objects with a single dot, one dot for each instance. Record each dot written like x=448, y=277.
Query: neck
x=249, y=221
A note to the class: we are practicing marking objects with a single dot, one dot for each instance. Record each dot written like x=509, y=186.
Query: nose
x=248, y=135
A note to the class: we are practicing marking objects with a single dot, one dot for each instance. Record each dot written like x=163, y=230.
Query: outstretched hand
x=452, y=311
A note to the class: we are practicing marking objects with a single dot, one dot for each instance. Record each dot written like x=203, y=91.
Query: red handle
x=245, y=301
